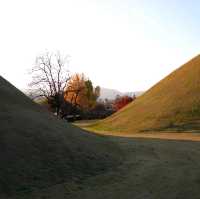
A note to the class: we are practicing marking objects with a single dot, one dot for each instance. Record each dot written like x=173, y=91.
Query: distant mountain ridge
x=107, y=93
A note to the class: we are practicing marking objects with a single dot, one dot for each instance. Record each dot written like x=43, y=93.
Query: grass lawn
x=173, y=104
x=42, y=157
x=152, y=168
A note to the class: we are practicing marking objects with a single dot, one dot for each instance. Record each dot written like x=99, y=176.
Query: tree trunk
x=58, y=111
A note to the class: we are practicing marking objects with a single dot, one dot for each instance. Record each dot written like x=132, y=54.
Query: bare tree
x=50, y=77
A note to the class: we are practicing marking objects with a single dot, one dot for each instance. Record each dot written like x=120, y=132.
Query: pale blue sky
x=126, y=45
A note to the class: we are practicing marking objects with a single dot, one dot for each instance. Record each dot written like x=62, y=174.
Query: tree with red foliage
x=122, y=101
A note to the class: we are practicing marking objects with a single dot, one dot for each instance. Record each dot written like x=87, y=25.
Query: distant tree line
x=69, y=95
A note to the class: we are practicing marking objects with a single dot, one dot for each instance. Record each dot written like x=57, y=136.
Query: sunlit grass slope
x=38, y=151
x=172, y=104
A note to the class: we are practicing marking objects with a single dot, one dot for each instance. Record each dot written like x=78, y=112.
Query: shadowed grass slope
x=38, y=151
x=172, y=104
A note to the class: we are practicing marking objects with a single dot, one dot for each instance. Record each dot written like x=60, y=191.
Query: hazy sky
x=127, y=44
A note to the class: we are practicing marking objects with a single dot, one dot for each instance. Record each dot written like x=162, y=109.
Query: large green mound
x=172, y=104
x=38, y=151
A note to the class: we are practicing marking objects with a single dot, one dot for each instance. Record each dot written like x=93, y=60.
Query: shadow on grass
x=188, y=127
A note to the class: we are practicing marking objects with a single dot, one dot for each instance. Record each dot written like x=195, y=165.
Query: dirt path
x=190, y=136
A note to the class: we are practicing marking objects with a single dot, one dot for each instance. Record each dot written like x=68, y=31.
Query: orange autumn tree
x=80, y=92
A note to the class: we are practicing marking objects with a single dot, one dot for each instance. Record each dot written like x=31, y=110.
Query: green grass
x=45, y=158
x=151, y=168
x=172, y=102
x=38, y=151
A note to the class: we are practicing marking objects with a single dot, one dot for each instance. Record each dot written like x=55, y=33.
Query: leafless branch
x=50, y=76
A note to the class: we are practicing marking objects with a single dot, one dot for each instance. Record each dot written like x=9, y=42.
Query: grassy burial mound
x=172, y=104
x=39, y=151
